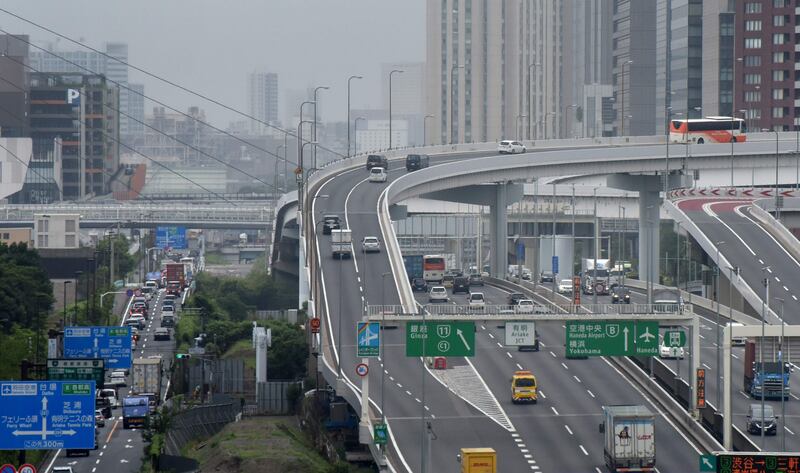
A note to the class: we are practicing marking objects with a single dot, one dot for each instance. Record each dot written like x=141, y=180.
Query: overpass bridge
x=340, y=291
x=223, y=215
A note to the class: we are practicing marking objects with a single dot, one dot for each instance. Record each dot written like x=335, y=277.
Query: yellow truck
x=523, y=387
x=478, y=460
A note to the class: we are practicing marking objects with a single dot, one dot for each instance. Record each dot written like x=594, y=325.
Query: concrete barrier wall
x=776, y=229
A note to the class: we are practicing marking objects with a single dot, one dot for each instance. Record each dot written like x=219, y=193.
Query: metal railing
x=556, y=309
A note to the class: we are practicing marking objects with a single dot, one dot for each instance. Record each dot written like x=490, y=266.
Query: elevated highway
x=345, y=287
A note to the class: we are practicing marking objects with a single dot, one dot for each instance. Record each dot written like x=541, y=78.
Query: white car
x=167, y=310
x=476, y=300
x=510, y=147
x=665, y=351
x=117, y=381
x=370, y=244
x=377, y=175
x=525, y=306
x=565, y=286
x=438, y=294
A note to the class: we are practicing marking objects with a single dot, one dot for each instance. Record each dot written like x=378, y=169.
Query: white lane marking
x=701, y=336
x=541, y=393
x=794, y=297
x=519, y=367
x=577, y=378
x=509, y=354
x=706, y=366
x=554, y=410
x=761, y=261
x=408, y=392
x=359, y=279
x=417, y=399
x=769, y=270
x=794, y=396
x=399, y=385
x=777, y=279
x=785, y=288
x=584, y=450
x=568, y=429
x=554, y=355
x=787, y=429
x=491, y=336
x=391, y=378
x=708, y=211
x=758, y=225
x=734, y=355
x=564, y=365
x=499, y=344
x=483, y=327
x=743, y=394
x=590, y=393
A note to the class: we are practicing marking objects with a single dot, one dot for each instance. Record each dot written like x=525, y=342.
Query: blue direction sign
x=555, y=266
x=368, y=335
x=171, y=237
x=46, y=415
x=112, y=344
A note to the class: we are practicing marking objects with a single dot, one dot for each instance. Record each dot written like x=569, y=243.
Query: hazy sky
x=210, y=45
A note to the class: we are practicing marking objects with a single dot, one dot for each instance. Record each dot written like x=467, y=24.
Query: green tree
x=25, y=290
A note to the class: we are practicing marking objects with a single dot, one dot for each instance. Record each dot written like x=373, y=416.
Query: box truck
x=629, y=438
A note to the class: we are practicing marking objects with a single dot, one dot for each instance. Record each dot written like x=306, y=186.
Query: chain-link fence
x=199, y=422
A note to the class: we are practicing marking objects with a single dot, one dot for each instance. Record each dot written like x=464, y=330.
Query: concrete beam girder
x=481, y=194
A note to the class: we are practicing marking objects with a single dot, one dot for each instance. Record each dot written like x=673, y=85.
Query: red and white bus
x=708, y=130
x=433, y=268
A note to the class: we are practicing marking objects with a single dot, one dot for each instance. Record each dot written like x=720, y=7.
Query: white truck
x=595, y=279
x=629, y=438
x=342, y=243
x=147, y=379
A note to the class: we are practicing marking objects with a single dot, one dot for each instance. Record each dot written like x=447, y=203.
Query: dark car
x=460, y=284
x=330, y=222
x=515, y=297
x=620, y=295
x=419, y=285
x=415, y=162
x=377, y=161
x=547, y=276
x=475, y=279
x=754, y=417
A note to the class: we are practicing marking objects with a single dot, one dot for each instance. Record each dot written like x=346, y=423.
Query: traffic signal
x=182, y=355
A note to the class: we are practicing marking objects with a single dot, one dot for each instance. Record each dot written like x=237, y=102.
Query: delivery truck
x=175, y=273
x=629, y=438
x=134, y=412
x=478, y=460
x=764, y=376
x=341, y=243
x=413, y=264
x=595, y=279
x=147, y=379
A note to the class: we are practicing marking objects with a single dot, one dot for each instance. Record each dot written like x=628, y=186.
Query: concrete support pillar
x=498, y=197
x=499, y=236
x=648, y=188
x=649, y=207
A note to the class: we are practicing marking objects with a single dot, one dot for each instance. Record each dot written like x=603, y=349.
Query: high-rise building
x=262, y=100
x=718, y=58
x=477, y=67
x=765, y=78
x=136, y=112
x=408, y=95
x=634, y=66
x=81, y=111
x=177, y=138
x=112, y=64
x=14, y=88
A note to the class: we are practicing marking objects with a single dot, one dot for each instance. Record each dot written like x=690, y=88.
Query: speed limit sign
x=27, y=468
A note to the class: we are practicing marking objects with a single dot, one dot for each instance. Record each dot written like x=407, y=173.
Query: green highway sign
x=675, y=338
x=380, y=434
x=68, y=369
x=708, y=462
x=612, y=338
x=440, y=339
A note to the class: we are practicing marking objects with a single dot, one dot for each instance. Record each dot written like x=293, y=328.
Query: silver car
x=438, y=294
x=370, y=244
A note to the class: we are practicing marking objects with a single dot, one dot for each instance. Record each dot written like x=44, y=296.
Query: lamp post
x=64, y=317
x=314, y=126
x=764, y=309
x=300, y=163
x=425, y=129
x=452, y=99
x=394, y=71
x=531, y=67
x=355, y=134
x=383, y=353
x=517, y=126
x=566, y=110
x=719, y=346
x=669, y=116
x=627, y=63
x=275, y=171
x=733, y=110
x=108, y=318
x=783, y=378
x=348, y=111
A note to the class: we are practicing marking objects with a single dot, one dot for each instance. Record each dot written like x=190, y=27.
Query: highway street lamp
x=719, y=345
x=348, y=111
x=517, y=126
x=783, y=379
x=622, y=77
x=669, y=114
x=300, y=163
x=765, y=271
x=355, y=133
x=275, y=171
x=531, y=67
x=314, y=126
x=383, y=349
x=77, y=283
x=425, y=129
x=108, y=318
x=394, y=71
x=452, y=99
